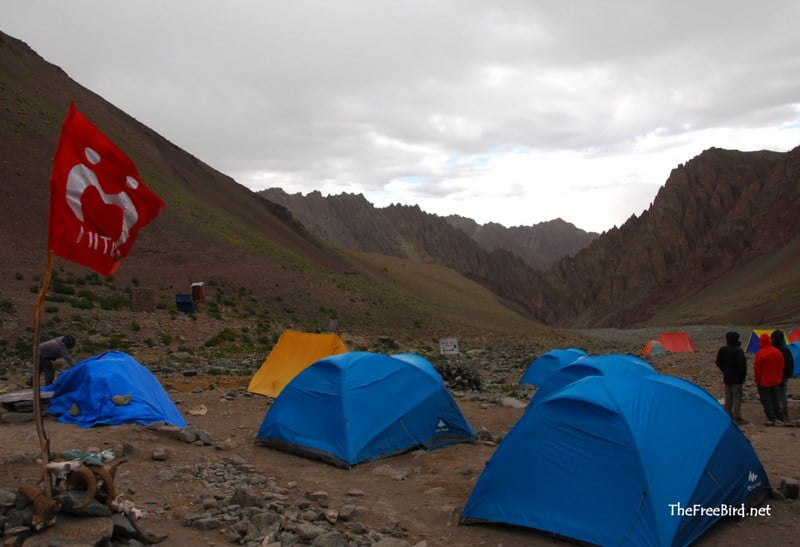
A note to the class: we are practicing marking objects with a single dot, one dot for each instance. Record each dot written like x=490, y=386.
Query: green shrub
x=114, y=302
x=82, y=304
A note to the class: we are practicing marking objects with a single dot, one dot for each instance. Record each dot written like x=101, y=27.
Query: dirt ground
x=426, y=503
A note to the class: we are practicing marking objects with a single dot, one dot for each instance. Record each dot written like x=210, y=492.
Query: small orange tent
x=676, y=341
x=653, y=347
x=293, y=352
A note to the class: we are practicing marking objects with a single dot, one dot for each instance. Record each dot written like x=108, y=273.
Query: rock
x=227, y=444
x=200, y=410
x=790, y=487
x=17, y=417
x=121, y=400
x=355, y=493
x=331, y=515
x=244, y=497
x=308, y=532
x=346, y=511
x=268, y=523
x=122, y=526
x=204, y=437
x=207, y=523
x=330, y=539
x=7, y=499
x=69, y=499
x=391, y=542
x=511, y=402
x=160, y=454
x=15, y=535
x=171, y=431
x=188, y=434
x=233, y=459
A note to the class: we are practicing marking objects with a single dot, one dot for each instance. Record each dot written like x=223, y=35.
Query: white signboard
x=448, y=346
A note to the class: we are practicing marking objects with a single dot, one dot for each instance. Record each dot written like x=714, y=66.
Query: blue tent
x=418, y=361
x=358, y=406
x=613, y=461
x=794, y=347
x=92, y=383
x=547, y=363
x=612, y=364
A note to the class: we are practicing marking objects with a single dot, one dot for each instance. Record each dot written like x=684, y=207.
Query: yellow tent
x=293, y=352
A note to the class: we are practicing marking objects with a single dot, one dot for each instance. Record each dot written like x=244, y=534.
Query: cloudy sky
x=514, y=112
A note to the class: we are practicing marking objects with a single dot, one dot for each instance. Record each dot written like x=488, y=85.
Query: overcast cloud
x=514, y=112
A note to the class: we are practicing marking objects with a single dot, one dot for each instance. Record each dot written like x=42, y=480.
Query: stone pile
x=458, y=375
x=248, y=508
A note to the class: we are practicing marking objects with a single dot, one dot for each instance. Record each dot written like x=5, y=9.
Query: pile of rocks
x=250, y=509
x=458, y=375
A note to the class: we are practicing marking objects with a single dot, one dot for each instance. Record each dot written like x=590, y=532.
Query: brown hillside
x=724, y=217
x=212, y=228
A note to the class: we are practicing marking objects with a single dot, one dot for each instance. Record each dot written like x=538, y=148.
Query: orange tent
x=653, y=347
x=293, y=352
x=676, y=341
x=794, y=336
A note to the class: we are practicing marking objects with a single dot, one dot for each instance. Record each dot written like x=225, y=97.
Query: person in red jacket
x=768, y=373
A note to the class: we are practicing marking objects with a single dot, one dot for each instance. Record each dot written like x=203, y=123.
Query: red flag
x=98, y=202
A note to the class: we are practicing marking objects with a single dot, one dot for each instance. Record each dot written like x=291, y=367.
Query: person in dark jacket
x=733, y=364
x=779, y=341
x=49, y=351
x=768, y=373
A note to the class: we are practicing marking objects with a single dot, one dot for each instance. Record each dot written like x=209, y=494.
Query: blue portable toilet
x=92, y=384
x=614, y=460
x=185, y=303
x=543, y=366
x=610, y=364
x=358, y=406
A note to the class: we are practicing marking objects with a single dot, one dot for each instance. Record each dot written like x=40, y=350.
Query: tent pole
x=44, y=442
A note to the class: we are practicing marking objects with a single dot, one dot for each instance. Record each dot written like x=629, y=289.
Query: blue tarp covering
x=606, y=460
x=611, y=364
x=547, y=363
x=93, y=382
x=358, y=406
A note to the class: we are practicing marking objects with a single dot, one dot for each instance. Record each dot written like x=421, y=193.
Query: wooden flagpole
x=44, y=442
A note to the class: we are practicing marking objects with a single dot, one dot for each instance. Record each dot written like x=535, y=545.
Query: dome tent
x=293, y=352
x=92, y=385
x=633, y=446
x=653, y=347
x=357, y=406
x=610, y=364
x=543, y=366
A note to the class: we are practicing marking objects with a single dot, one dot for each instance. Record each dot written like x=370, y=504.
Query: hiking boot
x=769, y=423
x=777, y=423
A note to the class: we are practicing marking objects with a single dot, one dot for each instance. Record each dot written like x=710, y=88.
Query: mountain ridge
x=722, y=221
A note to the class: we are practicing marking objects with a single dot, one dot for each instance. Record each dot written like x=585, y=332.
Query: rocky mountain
x=726, y=220
x=352, y=222
x=539, y=245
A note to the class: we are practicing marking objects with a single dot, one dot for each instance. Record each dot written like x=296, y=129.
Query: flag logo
x=97, y=200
